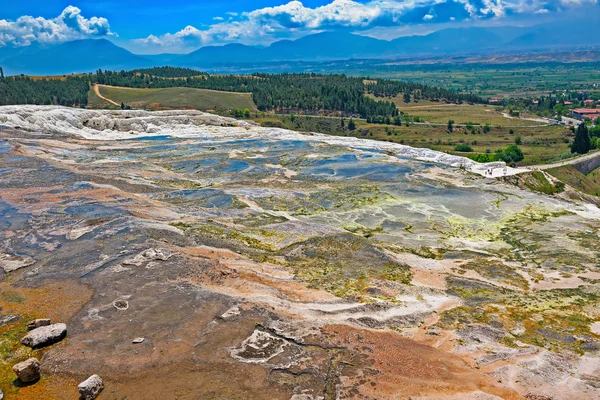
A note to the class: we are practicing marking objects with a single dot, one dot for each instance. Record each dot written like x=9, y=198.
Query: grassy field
x=96, y=102
x=539, y=144
x=437, y=112
x=182, y=98
x=589, y=184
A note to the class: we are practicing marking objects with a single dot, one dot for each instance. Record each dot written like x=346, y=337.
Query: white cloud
x=493, y=8
x=69, y=25
x=293, y=19
x=289, y=19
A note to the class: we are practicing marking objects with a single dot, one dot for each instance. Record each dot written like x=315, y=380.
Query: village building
x=583, y=113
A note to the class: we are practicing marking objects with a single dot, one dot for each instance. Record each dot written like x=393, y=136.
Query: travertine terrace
x=267, y=264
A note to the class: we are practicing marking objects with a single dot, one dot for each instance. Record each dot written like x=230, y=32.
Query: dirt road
x=97, y=91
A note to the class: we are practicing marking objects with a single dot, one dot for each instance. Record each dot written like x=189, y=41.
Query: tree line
x=309, y=93
x=389, y=88
x=71, y=91
x=168, y=72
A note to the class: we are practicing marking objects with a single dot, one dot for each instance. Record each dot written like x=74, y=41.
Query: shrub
x=511, y=154
x=482, y=158
x=464, y=148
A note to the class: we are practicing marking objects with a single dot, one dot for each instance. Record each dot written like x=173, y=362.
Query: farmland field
x=437, y=112
x=199, y=99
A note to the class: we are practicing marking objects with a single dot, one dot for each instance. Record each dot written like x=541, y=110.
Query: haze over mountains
x=89, y=55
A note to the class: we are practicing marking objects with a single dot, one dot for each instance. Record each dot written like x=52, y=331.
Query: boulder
x=36, y=323
x=45, y=336
x=8, y=319
x=28, y=370
x=91, y=387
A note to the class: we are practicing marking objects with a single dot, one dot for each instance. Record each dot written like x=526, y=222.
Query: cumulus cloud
x=69, y=25
x=293, y=19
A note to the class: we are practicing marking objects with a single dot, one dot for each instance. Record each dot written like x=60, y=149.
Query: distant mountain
x=215, y=55
x=326, y=46
x=551, y=35
x=453, y=40
x=9, y=51
x=74, y=57
x=321, y=46
x=89, y=55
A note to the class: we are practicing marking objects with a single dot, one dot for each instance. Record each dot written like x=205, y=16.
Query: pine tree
x=582, y=143
x=351, y=125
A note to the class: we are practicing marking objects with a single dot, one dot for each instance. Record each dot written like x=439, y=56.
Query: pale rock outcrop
x=91, y=387
x=28, y=370
x=13, y=262
x=45, y=336
x=149, y=255
x=36, y=323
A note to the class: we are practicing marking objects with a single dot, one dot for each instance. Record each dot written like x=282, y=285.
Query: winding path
x=97, y=91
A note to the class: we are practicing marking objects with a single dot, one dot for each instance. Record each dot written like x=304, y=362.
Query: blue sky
x=178, y=26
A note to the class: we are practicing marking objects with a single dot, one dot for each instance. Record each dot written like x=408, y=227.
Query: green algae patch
x=339, y=199
x=557, y=320
x=223, y=233
x=343, y=265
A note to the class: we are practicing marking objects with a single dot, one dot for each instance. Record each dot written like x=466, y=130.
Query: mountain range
x=88, y=55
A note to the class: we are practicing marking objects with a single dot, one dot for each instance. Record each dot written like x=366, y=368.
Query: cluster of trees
x=168, y=72
x=582, y=143
x=70, y=91
x=510, y=155
x=389, y=88
x=309, y=93
x=241, y=113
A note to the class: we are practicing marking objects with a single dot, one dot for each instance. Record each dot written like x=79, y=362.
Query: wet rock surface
x=275, y=269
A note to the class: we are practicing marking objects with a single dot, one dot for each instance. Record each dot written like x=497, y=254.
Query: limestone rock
x=13, y=262
x=28, y=370
x=45, y=336
x=138, y=340
x=36, y=323
x=149, y=255
x=91, y=387
x=8, y=319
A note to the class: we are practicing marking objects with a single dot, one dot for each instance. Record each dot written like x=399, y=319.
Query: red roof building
x=583, y=113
